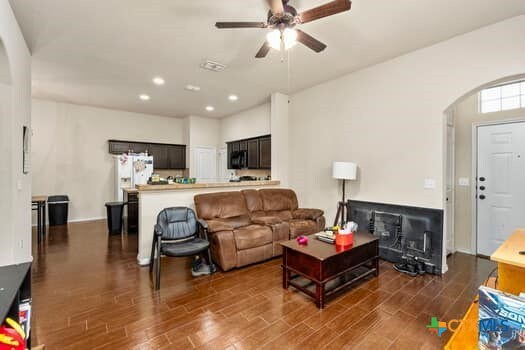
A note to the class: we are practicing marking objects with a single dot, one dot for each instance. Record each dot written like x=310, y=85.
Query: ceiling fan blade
x=233, y=25
x=263, y=51
x=310, y=41
x=325, y=10
x=276, y=6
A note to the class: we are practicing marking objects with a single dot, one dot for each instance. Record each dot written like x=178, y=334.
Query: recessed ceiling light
x=193, y=88
x=210, y=108
x=233, y=97
x=159, y=81
x=144, y=97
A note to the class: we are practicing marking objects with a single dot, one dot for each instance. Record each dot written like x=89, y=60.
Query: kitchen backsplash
x=256, y=173
x=174, y=173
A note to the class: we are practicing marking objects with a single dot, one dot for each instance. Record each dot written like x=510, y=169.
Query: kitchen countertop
x=174, y=187
x=130, y=190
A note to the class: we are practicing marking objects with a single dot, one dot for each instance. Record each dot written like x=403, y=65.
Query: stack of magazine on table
x=326, y=236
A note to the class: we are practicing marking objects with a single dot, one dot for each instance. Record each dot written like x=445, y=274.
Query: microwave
x=238, y=160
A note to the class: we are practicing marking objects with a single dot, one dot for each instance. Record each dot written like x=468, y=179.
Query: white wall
x=70, y=150
x=389, y=119
x=250, y=123
x=15, y=112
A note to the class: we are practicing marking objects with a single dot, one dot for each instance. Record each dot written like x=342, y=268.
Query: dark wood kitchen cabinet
x=165, y=156
x=176, y=157
x=133, y=212
x=160, y=156
x=265, y=153
x=258, y=151
x=119, y=147
x=253, y=154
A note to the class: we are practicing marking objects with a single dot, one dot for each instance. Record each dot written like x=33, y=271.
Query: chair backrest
x=177, y=223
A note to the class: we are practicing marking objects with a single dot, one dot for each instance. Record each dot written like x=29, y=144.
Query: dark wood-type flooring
x=89, y=293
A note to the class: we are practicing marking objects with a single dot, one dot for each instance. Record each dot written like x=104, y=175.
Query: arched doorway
x=462, y=120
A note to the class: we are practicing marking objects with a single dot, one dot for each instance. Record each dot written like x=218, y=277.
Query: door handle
x=482, y=188
x=482, y=197
x=482, y=179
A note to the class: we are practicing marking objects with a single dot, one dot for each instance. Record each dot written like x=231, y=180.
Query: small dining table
x=38, y=203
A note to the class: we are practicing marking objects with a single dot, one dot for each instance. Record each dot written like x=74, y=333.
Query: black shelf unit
x=15, y=287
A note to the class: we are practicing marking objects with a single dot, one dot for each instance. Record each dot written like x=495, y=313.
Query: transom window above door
x=503, y=97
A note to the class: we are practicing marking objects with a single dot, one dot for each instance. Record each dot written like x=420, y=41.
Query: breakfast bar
x=154, y=198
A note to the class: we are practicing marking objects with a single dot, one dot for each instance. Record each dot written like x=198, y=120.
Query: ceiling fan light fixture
x=288, y=36
x=274, y=39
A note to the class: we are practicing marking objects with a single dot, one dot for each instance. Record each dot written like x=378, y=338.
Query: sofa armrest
x=307, y=214
x=267, y=220
x=223, y=249
x=203, y=223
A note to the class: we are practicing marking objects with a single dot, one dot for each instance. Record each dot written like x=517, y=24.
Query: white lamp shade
x=344, y=171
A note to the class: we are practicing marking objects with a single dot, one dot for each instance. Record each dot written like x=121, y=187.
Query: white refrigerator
x=131, y=170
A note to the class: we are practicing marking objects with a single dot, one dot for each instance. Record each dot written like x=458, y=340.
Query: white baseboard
x=143, y=261
x=464, y=251
x=80, y=220
x=88, y=219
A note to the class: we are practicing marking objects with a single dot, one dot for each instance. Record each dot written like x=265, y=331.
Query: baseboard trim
x=79, y=220
x=143, y=261
x=464, y=251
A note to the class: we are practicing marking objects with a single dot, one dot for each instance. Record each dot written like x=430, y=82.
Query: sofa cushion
x=220, y=205
x=266, y=220
x=302, y=227
x=284, y=215
x=278, y=199
x=307, y=214
x=253, y=200
x=254, y=255
x=252, y=236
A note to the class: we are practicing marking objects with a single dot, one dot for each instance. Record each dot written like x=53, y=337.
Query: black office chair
x=178, y=233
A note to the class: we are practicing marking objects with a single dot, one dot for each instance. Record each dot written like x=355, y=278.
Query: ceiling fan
x=282, y=19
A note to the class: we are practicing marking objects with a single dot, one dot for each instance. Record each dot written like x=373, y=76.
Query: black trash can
x=114, y=210
x=58, y=210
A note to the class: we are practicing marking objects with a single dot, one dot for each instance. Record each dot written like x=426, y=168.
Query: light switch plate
x=464, y=181
x=429, y=184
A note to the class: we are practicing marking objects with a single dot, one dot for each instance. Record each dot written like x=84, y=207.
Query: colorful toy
x=12, y=338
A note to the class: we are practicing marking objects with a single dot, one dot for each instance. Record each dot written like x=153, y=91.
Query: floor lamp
x=343, y=171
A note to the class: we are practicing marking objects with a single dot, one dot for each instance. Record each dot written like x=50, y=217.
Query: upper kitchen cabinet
x=265, y=152
x=253, y=154
x=258, y=152
x=165, y=156
x=177, y=157
x=119, y=147
x=160, y=156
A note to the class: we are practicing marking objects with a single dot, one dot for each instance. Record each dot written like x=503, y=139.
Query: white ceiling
x=105, y=52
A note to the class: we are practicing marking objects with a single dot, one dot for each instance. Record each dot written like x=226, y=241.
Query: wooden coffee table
x=321, y=269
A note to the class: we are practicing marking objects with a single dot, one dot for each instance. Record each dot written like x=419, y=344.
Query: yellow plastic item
x=13, y=324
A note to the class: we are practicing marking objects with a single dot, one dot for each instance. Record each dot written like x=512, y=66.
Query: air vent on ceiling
x=213, y=66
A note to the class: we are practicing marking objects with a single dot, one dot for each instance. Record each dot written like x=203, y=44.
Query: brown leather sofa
x=246, y=227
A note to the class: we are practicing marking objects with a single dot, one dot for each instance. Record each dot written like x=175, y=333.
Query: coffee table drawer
x=304, y=264
x=349, y=259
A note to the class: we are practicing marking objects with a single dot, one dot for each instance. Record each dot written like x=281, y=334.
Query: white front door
x=501, y=184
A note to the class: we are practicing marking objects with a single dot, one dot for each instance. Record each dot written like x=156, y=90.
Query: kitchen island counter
x=153, y=198
x=176, y=186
